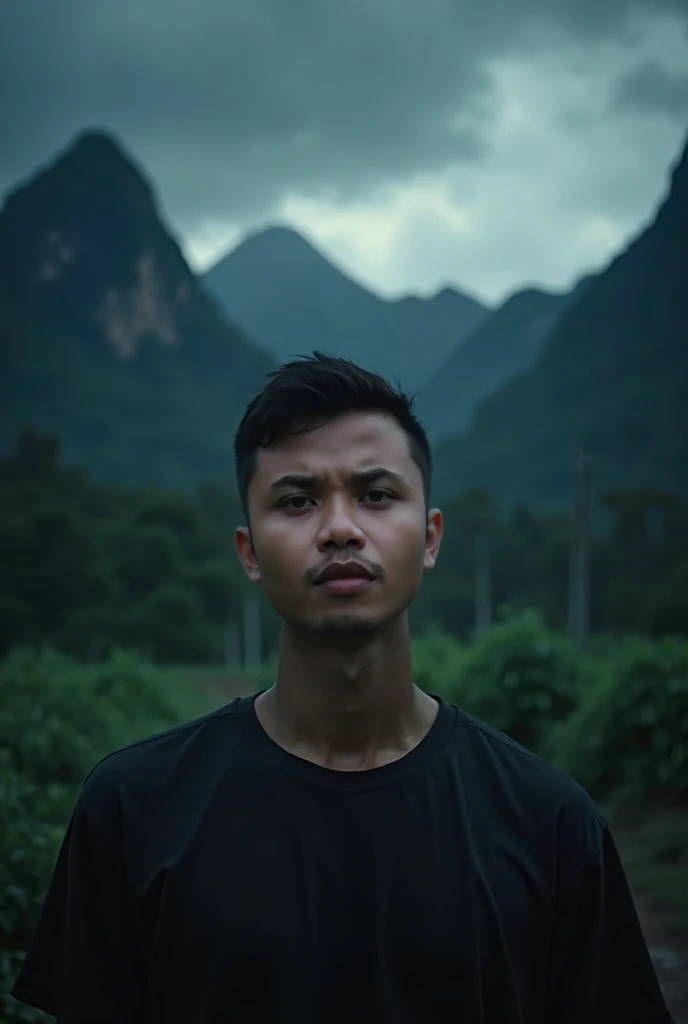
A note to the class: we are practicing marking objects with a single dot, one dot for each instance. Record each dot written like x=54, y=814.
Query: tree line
x=88, y=566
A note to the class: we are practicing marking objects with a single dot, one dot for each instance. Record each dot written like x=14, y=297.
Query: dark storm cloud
x=650, y=88
x=231, y=103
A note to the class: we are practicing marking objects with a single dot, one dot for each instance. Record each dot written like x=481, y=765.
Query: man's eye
x=296, y=503
x=378, y=497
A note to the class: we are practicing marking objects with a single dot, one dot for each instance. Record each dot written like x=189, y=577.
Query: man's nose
x=339, y=527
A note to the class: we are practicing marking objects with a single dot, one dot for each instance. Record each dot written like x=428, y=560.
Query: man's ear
x=433, y=538
x=246, y=553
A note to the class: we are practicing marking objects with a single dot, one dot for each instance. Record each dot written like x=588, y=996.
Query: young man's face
x=347, y=492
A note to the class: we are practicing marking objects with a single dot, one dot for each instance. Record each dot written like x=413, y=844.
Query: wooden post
x=252, y=637
x=483, y=583
x=232, y=643
x=579, y=585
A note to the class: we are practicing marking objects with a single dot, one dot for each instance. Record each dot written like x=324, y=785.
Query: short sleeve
x=81, y=965
x=600, y=968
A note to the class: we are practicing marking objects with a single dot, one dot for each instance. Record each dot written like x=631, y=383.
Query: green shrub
x=518, y=676
x=260, y=677
x=139, y=689
x=51, y=723
x=629, y=736
x=56, y=716
x=617, y=721
x=32, y=822
x=437, y=660
x=57, y=720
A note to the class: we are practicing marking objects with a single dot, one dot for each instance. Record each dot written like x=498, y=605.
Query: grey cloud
x=233, y=104
x=650, y=88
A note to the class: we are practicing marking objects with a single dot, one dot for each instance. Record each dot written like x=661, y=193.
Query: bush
x=260, y=677
x=32, y=822
x=50, y=722
x=57, y=716
x=617, y=721
x=519, y=676
x=437, y=661
x=57, y=720
x=629, y=736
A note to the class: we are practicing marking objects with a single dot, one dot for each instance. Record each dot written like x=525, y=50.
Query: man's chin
x=335, y=627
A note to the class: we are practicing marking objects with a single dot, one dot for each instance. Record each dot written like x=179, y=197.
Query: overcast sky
x=479, y=143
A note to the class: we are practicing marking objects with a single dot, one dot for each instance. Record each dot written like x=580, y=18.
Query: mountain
x=504, y=345
x=613, y=376
x=107, y=338
x=286, y=294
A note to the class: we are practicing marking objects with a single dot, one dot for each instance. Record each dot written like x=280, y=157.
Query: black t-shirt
x=209, y=877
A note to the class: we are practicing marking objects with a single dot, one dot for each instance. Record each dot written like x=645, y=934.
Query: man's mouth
x=344, y=578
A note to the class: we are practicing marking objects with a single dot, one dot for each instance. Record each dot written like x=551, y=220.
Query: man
x=342, y=847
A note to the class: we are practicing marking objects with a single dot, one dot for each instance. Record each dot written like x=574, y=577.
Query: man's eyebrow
x=376, y=473
x=303, y=480
x=307, y=481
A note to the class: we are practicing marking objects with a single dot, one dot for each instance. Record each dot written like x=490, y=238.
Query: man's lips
x=344, y=570
x=344, y=578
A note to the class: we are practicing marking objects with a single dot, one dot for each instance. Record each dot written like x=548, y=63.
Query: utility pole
x=252, y=637
x=232, y=643
x=483, y=583
x=579, y=582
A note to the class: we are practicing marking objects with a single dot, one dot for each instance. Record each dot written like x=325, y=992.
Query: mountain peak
x=84, y=235
x=298, y=270
x=612, y=371
x=502, y=345
x=447, y=294
x=451, y=298
x=285, y=292
x=277, y=234
x=93, y=158
x=97, y=141
x=106, y=332
x=276, y=245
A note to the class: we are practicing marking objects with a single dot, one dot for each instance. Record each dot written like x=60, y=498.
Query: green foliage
x=55, y=713
x=616, y=720
x=262, y=676
x=89, y=567
x=32, y=822
x=58, y=718
x=667, y=603
x=518, y=676
x=639, y=559
x=169, y=624
x=437, y=662
x=629, y=735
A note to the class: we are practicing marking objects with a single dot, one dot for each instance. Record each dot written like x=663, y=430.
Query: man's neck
x=344, y=706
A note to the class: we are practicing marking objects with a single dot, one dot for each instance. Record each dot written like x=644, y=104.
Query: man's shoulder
x=158, y=765
x=516, y=779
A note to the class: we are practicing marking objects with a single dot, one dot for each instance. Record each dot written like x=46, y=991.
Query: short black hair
x=308, y=392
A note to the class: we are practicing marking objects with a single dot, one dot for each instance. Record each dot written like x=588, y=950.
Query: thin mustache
x=376, y=570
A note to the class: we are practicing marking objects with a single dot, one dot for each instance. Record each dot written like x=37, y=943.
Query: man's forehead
x=354, y=441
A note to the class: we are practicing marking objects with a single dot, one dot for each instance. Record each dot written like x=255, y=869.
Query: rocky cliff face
x=613, y=376
x=99, y=309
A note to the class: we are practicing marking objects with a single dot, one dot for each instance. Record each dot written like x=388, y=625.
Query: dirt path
x=670, y=957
